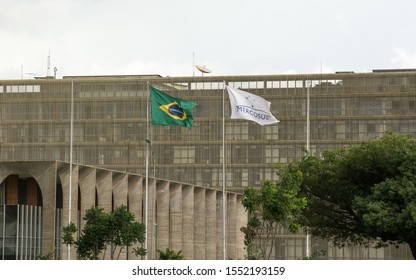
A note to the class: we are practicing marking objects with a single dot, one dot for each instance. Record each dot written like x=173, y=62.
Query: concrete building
x=35, y=199
x=111, y=121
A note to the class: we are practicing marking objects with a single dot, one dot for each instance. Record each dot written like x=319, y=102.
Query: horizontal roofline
x=113, y=76
x=394, y=70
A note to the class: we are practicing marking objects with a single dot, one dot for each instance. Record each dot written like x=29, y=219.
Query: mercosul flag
x=168, y=110
x=247, y=106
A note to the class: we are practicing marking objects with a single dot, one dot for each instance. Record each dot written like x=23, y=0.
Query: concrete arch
x=21, y=190
x=45, y=175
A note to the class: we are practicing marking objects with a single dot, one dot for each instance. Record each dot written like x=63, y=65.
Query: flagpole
x=223, y=176
x=307, y=150
x=146, y=215
x=307, y=117
x=71, y=129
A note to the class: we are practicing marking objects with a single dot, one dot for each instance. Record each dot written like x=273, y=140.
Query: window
x=183, y=154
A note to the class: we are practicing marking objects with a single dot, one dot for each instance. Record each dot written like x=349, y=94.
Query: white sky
x=230, y=37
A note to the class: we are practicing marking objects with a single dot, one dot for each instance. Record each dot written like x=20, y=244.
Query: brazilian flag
x=169, y=111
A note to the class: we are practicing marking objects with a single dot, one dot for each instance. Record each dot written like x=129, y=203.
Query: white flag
x=247, y=106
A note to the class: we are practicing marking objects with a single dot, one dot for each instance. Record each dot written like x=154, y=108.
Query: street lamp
x=149, y=143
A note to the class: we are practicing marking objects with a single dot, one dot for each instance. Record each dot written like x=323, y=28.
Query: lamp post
x=149, y=143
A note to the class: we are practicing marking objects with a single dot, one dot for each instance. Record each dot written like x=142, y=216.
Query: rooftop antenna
x=193, y=64
x=49, y=65
x=55, y=69
x=203, y=69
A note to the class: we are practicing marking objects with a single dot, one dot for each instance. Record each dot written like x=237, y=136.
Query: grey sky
x=230, y=37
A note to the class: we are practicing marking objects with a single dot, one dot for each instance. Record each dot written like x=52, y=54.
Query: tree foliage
x=170, y=254
x=362, y=194
x=270, y=208
x=102, y=231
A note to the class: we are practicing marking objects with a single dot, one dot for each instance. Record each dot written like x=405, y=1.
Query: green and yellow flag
x=169, y=111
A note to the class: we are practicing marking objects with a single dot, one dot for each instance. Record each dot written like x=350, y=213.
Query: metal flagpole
x=153, y=205
x=307, y=150
x=147, y=171
x=223, y=177
x=71, y=129
x=307, y=117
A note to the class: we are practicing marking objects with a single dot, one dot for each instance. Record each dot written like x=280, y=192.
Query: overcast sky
x=230, y=37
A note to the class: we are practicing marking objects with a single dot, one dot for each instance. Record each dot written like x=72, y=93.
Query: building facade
x=36, y=200
x=110, y=121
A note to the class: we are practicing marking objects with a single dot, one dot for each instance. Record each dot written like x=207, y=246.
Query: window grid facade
x=111, y=121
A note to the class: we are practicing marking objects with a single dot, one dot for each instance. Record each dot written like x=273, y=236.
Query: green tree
x=271, y=207
x=170, y=254
x=364, y=194
x=125, y=230
x=116, y=230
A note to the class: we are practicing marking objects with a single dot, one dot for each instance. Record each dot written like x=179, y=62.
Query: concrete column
x=63, y=173
x=231, y=226
x=152, y=223
x=120, y=187
x=45, y=175
x=211, y=224
x=219, y=227
x=199, y=224
x=105, y=194
x=135, y=203
x=87, y=182
x=135, y=196
x=241, y=222
x=104, y=189
x=188, y=228
x=176, y=224
x=163, y=218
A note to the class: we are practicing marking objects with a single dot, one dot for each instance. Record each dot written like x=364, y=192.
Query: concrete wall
x=181, y=217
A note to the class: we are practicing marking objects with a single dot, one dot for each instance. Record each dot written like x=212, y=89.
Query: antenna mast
x=193, y=64
x=48, y=71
